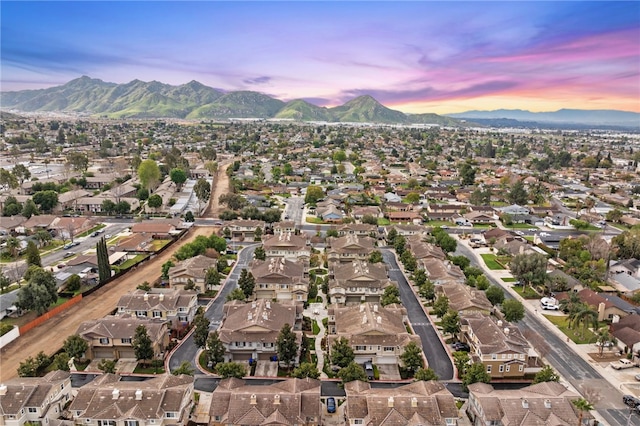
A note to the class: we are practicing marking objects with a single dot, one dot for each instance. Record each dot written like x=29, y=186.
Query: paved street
x=187, y=350
x=436, y=354
x=578, y=372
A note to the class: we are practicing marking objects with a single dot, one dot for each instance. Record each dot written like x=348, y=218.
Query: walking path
x=317, y=312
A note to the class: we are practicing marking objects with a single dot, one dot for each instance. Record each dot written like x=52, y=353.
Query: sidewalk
x=532, y=307
x=317, y=312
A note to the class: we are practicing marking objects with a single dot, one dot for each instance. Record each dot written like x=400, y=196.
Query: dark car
x=461, y=347
x=631, y=400
x=368, y=369
x=331, y=405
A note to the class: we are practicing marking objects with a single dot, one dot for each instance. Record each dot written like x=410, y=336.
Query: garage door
x=103, y=353
x=127, y=353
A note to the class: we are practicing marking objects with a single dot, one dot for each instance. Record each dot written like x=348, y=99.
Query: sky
x=415, y=56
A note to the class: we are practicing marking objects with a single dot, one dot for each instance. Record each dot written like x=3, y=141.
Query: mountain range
x=194, y=100
x=607, y=117
x=139, y=99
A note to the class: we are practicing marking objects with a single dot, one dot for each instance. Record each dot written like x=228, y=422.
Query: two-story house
x=359, y=229
x=176, y=306
x=244, y=230
x=280, y=279
x=109, y=401
x=349, y=248
x=191, y=270
x=357, y=281
x=290, y=402
x=249, y=330
x=34, y=400
x=464, y=299
x=418, y=403
x=288, y=245
x=111, y=337
x=375, y=333
x=548, y=403
x=498, y=345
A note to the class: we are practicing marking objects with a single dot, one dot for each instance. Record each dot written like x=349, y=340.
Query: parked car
x=69, y=254
x=607, y=344
x=549, y=303
x=461, y=347
x=630, y=400
x=622, y=364
x=368, y=369
x=67, y=246
x=331, y=405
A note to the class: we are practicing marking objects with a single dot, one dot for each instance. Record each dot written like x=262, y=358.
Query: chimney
x=253, y=399
x=525, y=403
x=414, y=402
x=265, y=316
x=375, y=308
x=361, y=308
x=499, y=323
x=115, y=394
x=506, y=331
x=379, y=319
x=161, y=297
x=249, y=316
x=390, y=402
x=3, y=389
x=547, y=403
x=267, y=304
x=146, y=297
x=253, y=304
x=364, y=319
x=276, y=399
x=139, y=395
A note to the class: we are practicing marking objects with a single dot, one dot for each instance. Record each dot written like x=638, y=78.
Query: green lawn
x=490, y=261
x=435, y=223
x=383, y=221
x=315, y=220
x=509, y=279
x=148, y=370
x=578, y=335
x=483, y=225
x=315, y=327
x=158, y=244
x=129, y=263
x=519, y=226
x=526, y=293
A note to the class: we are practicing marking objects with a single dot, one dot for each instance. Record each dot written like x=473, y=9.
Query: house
x=359, y=229
x=626, y=266
x=513, y=210
x=249, y=330
x=91, y=205
x=108, y=400
x=193, y=269
x=375, y=333
x=285, y=227
x=110, y=337
x=476, y=217
x=289, y=246
x=156, y=229
x=98, y=181
x=423, y=250
x=404, y=216
x=514, y=247
x=441, y=271
x=278, y=278
x=608, y=306
x=34, y=400
x=547, y=403
x=330, y=213
x=244, y=230
x=357, y=281
x=38, y=222
x=349, y=248
x=176, y=306
x=358, y=212
x=67, y=200
x=289, y=402
x=465, y=299
x=417, y=403
x=627, y=331
x=498, y=345
x=70, y=227
x=10, y=225
x=409, y=230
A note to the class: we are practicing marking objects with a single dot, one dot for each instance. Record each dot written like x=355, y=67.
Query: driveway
x=266, y=369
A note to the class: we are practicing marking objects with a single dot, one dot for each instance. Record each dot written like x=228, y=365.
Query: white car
x=549, y=303
x=622, y=364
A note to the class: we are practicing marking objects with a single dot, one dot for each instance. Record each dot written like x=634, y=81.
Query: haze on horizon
x=416, y=57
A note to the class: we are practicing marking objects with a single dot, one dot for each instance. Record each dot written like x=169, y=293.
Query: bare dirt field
x=220, y=186
x=49, y=336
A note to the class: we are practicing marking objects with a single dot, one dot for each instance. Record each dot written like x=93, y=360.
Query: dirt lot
x=49, y=336
x=220, y=186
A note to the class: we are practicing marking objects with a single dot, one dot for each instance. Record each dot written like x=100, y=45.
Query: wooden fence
x=46, y=316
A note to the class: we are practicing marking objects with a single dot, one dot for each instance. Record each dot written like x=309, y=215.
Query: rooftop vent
x=547, y=403
x=253, y=399
x=414, y=402
x=390, y=402
x=115, y=394
x=146, y=297
x=161, y=297
x=3, y=390
x=375, y=308
x=276, y=399
x=525, y=403
x=139, y=395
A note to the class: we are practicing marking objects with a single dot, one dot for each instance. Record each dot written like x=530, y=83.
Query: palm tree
x=570, y=303
x=582, y=405
x=583, y=316
x=604, y=337
x=13, y=246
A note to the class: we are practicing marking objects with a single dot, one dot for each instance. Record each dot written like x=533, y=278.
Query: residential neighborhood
x=318, y=273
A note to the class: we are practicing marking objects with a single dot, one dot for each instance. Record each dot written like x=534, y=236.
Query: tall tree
x=47, y=200
x=441, y=306
x=341, y=353
x=513, y=310
x=179, y=177
x=582, y=405
x=202, y=189
x=259, y=253
x=425, y=374
x=390, y=295
x=518, y=194
x=149, y=174
x=75, y=346
x=215, y=349
x=546, y=375
x=530, y=269
x=32, y=254
x=475, y=373
x=412, y=357
x=246, y=282
x=286, y=345
x=201, y=330
x=352, y=372
x=39, y=293
x=142, y=344
x=231, y=369
x=305, y=370
x=104, y=267
x=21, y=172
x=495, y=295
x=451, y=322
